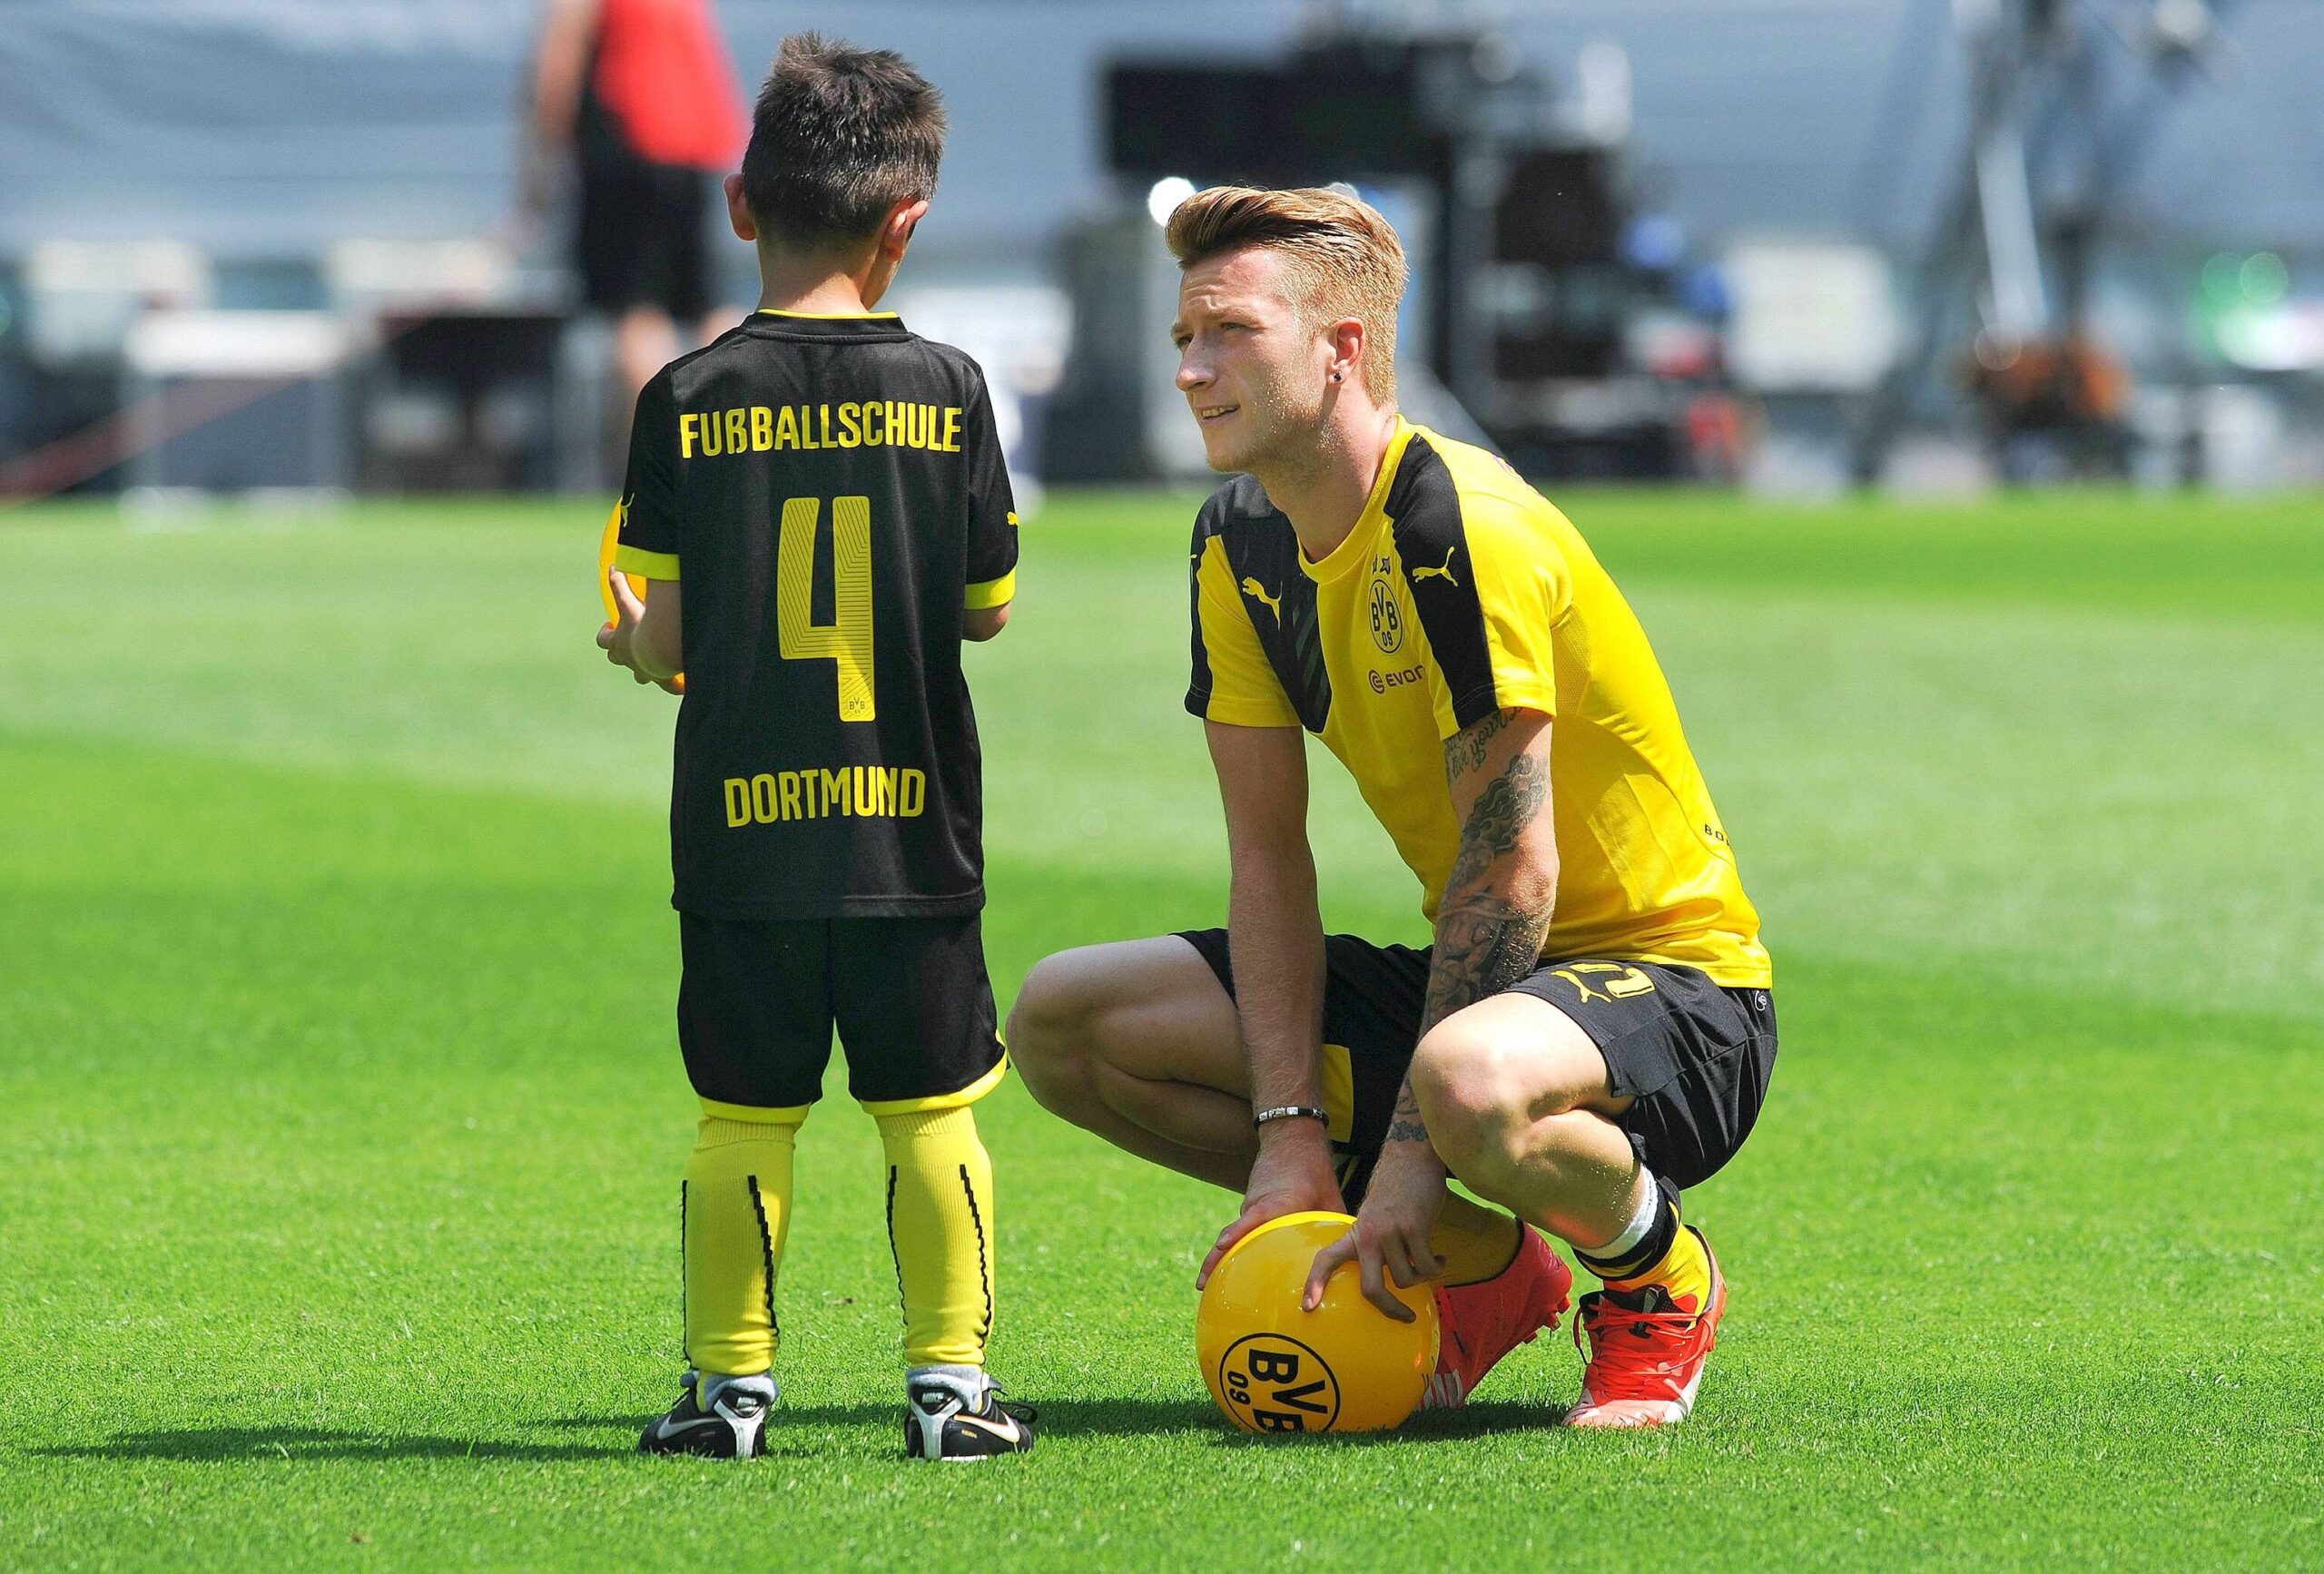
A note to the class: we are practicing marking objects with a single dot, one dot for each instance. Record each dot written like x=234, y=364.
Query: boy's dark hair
x=839, y=137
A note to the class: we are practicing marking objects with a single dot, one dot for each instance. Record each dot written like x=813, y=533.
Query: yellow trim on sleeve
x=828, y=315
x=992, y=591
x=791, y=1115
x=960, y=1100
x=647, y=565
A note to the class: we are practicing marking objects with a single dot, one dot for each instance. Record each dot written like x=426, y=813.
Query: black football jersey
x=830, y=494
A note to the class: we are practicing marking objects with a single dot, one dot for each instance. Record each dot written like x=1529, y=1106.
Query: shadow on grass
x=1071, y=1418
x=1060, y=1421
x=312, y=1442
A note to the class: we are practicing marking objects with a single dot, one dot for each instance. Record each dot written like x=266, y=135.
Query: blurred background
x=290, y=249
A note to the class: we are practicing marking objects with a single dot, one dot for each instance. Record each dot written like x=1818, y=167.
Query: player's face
x=1253, y=377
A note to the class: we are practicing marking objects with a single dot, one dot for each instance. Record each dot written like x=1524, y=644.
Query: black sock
x=1649, y=1250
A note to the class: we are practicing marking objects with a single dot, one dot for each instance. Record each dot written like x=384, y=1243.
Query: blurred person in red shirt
x=640, y=96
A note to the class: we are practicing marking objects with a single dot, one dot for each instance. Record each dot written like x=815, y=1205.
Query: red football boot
x=1483, y=1321
x=1646, y=1353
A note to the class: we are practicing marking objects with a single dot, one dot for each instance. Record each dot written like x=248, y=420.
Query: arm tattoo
x=1482, y=947
x=1406, y=1124
x=1485, y=941
x=1497, y=822
x=1466, y=749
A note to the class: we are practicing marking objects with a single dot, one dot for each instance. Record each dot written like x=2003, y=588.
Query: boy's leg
x=736, y=1206
x=916, y=1014
x=755, y=1024
x=939, y=1228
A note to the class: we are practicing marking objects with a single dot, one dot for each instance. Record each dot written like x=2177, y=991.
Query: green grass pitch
x=343, y=1120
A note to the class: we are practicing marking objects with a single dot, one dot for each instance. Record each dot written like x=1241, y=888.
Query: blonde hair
x=1343, y=256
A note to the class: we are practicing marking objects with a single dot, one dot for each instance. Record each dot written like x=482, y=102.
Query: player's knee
x=1049, y=1028
x=1472, y=1100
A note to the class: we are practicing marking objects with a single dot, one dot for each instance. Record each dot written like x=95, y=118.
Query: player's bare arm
x=983, y=622
x=1488, y=930
x=1275, y=937
x=647, y=637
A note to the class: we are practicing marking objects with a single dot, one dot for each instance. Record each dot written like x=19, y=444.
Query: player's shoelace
x=1009, y=1407
x=1628, y=1349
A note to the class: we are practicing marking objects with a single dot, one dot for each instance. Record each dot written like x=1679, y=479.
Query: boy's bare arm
x=981, y=623
x=649, y=637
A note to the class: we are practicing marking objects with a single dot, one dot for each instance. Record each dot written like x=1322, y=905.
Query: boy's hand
x=619, y=640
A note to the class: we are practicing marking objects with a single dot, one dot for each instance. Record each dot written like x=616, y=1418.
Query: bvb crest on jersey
x=1387, y=617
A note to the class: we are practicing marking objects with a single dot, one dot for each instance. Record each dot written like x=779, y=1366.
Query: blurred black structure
x=1518, y=259
x=488, y=385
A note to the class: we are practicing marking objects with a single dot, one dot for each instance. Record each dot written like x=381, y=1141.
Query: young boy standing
x=822, y=495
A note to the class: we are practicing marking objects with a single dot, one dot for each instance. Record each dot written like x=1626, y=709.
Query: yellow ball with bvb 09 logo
x=1275, y=1367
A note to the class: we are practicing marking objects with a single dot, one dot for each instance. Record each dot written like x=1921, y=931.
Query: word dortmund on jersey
x=829, y=491
x=1461, y=592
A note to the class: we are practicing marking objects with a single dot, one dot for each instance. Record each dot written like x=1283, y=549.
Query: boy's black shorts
x=909, y=997
x=1694, y=1057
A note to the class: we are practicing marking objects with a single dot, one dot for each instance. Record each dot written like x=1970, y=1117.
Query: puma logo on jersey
x=1258, y=591
x=1442, y=571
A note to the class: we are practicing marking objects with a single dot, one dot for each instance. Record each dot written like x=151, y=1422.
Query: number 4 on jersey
x=846, y=640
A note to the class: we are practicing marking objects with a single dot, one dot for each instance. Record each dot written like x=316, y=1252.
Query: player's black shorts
x=1694, y=1057
x=641, y=239
x=909, y=997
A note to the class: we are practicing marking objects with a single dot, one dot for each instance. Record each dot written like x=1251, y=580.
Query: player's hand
x=619, y=640
x=1395, y=1231
x=1292, y=1174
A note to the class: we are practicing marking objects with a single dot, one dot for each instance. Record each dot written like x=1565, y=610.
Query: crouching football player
x=819, y=500
x=1592, y=1031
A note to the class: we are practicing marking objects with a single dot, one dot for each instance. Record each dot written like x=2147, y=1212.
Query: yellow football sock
x=1684, y=1270
x=940, y=1226
x=1477, y=1243
x=737, y=1205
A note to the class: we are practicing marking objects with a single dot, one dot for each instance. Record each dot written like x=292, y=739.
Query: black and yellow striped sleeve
x=1231, y=680
x=1489, y=584
x=992, y=509
x=649, y=543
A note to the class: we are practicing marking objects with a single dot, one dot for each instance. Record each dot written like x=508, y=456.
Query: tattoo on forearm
x=1466, y=749
x=1405, y=1125
x=1482, y=947
x=1486, y=942
x=1498, y=820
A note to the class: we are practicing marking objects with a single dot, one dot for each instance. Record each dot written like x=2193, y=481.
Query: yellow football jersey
x=1459, y=592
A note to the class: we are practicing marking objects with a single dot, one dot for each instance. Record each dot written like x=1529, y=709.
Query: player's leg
x=1563, y=1099
x=916, y=1016
x=755, y=1026
x=1137, y=1042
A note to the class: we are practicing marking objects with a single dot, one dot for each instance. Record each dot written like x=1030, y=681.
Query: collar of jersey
x=826, y=324
x=1357, y=548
